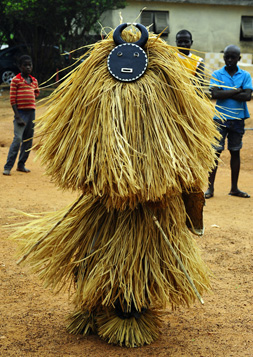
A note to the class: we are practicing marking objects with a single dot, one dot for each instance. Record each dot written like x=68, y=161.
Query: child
x=193, y=63
x=231, y=87
x=23, y=91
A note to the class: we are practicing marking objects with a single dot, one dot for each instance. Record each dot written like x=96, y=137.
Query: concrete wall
x=213, y=27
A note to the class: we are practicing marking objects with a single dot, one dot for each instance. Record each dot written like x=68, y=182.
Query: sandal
x=239, y=194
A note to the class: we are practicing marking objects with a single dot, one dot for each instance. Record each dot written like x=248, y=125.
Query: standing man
x=194, y=201
x=23, y=91
x=193, y=63
x=231, y=87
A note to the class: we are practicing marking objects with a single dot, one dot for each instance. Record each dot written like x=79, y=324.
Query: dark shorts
x=233, y=130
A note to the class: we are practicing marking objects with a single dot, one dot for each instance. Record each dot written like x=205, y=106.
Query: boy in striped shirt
x=23, y=91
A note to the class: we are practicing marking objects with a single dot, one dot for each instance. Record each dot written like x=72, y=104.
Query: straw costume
x=137, y=143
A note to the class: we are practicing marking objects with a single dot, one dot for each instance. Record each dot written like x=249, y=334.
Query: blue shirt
x=231, y=108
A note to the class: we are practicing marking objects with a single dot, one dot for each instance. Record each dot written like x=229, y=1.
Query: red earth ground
x=32, y=319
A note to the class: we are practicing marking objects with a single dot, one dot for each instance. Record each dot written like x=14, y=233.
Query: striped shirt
x=23, y=94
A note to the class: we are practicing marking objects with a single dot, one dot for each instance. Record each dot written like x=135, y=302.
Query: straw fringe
x=82, y=323
x=117, y=255
x=132, y=142
x=129, y=332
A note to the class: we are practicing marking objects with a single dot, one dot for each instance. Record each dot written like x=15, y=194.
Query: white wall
x=213, y=27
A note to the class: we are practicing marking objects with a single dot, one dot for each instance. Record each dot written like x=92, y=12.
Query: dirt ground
x=32, y=319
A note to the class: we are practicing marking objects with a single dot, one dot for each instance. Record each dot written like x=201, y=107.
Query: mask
x=128, y=61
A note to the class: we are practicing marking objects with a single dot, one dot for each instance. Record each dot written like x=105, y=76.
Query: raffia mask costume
x=128, y=130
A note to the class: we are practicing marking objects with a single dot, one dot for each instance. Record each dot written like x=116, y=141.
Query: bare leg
x=235, y=169
x=211, y=179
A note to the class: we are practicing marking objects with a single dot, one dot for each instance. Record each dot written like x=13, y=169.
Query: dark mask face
x=127, y=62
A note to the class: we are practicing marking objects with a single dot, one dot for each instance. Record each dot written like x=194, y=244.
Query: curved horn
x=118, y=39
x=144, y=35
x=117, y=33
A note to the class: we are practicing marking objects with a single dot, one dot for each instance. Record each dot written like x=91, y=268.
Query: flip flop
x=239, y=194
x=208, y=193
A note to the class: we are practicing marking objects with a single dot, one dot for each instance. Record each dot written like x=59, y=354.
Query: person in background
x=231, y=87
x=194, y=201
x=193, y=63
x=23, y=91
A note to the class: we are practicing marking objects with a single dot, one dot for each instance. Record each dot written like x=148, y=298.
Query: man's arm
x=200, y=73
x=13, y=96
x=242, y=95
x=36, y=90
x=18, y=119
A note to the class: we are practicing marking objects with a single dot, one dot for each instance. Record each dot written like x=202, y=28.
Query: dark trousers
x=23, y=138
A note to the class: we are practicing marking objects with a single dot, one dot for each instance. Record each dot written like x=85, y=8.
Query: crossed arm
x=242, y=95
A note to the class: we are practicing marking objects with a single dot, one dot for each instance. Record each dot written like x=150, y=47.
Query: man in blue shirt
x=232, y=88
